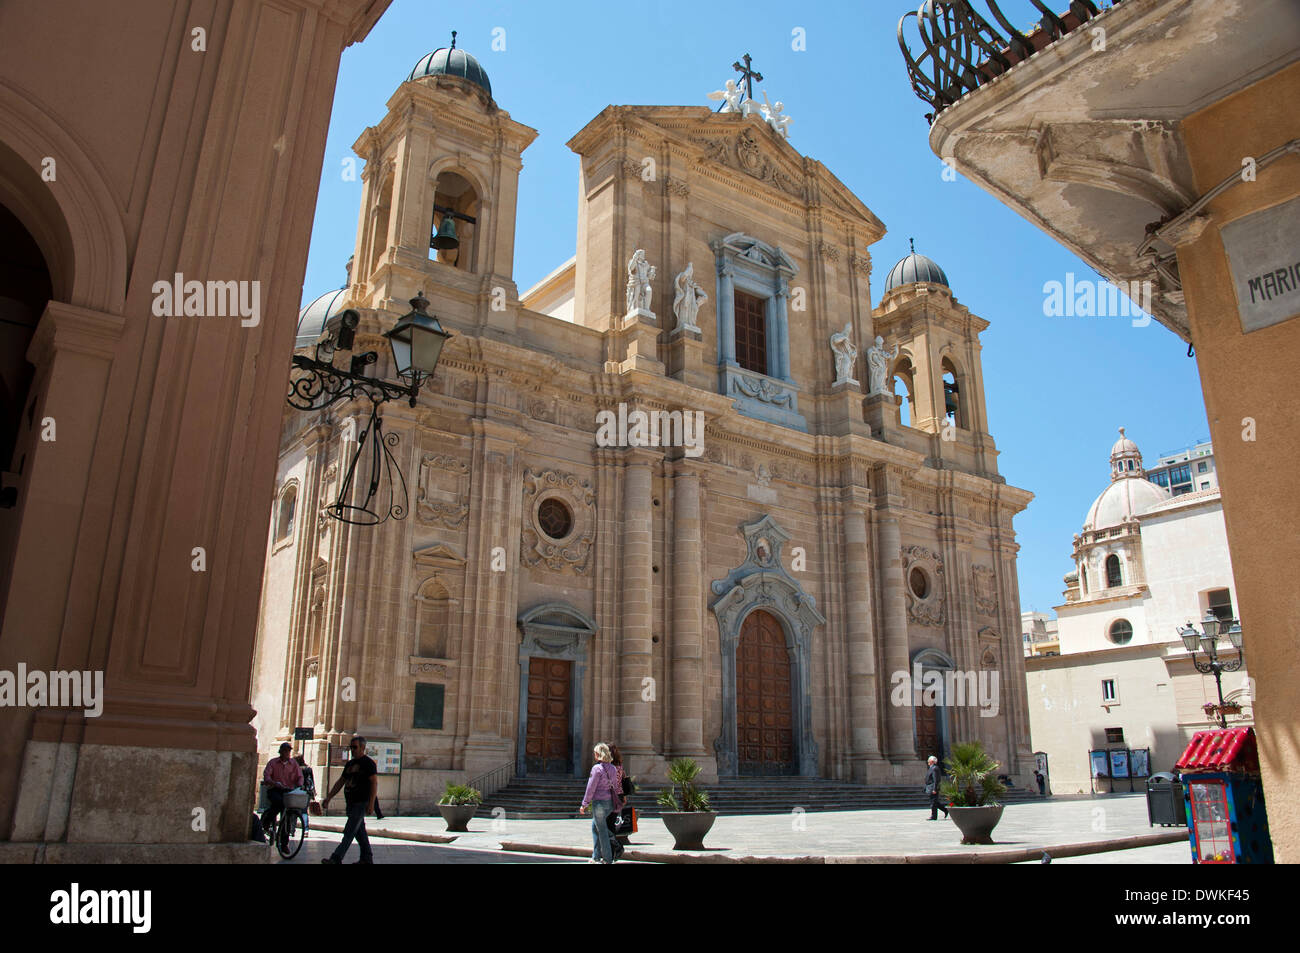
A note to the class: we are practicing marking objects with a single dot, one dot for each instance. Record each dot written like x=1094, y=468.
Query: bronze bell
x=950, y=397
x=445, y=238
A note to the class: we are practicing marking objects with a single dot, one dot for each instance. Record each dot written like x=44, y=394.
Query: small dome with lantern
x=449, y=61
x=313, y=318
x=915, y=269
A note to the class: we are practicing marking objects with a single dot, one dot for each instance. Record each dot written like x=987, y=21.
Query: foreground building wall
x=154, y=145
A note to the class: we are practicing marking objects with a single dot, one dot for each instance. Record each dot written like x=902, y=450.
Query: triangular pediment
x=440, y=555
x=732, y=143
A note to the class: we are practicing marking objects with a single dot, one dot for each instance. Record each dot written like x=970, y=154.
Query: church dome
x=912, y=269
x=311, y=319
x=450, y=61
x=1130, y=493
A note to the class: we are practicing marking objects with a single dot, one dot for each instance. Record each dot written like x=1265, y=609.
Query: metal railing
x=961, y=50
x=494, y=780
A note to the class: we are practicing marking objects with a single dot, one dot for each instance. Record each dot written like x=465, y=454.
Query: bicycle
x=292, y=820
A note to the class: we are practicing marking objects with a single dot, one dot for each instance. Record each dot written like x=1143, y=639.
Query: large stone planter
x=457, y=816
x=688, y=827
x=976, y=823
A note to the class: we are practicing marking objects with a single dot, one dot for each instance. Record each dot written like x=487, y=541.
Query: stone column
x=864, y=729
x=635, y=662
x=495, y=665
x=726, y=315
x=686, y=650
x=898, y=718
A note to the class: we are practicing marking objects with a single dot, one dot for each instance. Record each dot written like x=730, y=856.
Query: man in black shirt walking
x=932, y=779
x=360, y=783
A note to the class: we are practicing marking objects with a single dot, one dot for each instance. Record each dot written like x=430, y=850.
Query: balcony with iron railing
x=960, y=50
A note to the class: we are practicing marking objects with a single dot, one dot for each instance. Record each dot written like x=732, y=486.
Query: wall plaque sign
x=1264, y=257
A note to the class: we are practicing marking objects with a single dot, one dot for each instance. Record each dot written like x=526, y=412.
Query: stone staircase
x=544, y=798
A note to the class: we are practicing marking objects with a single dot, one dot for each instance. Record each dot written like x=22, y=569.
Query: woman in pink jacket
x=604, y=795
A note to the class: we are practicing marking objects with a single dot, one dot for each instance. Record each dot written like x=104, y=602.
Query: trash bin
x=1165, y=801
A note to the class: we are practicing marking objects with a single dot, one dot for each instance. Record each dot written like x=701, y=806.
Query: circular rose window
x=920, y=585
x=555, y=518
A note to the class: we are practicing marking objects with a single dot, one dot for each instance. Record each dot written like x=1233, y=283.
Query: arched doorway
x=764, y=698
x=930, y=725
x=25, y=288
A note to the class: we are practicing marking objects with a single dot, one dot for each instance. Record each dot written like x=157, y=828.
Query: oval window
x=919, y=583
x=555, y=518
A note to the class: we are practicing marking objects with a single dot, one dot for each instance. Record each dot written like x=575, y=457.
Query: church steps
x=526, y=798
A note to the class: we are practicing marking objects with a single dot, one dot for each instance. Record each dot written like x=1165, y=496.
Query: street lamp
x=1208, y=639
x=416, y=342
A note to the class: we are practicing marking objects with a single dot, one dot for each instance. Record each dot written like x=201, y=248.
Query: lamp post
x=1208, y=639
x=416, y=342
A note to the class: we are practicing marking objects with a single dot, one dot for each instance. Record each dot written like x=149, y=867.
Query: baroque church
x=743, y=599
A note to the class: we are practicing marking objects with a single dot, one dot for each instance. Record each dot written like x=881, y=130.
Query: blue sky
x=1057, y=388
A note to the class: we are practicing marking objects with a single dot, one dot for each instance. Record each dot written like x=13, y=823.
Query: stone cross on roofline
x=749, y=75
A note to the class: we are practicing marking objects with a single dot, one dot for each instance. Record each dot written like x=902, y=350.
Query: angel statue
x=731, y=96
x=689, y=298
x=639, y=275
x=774, y=115
x=878, y=364
x=846, y=354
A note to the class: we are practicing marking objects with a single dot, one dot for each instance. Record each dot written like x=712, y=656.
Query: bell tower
x=938, y=361
x=440, y=187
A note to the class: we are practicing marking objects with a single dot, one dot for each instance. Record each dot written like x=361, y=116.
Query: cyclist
x=281, y=774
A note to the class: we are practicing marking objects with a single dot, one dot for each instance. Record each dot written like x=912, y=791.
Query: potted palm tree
x=458, y=804
x=686, y=811
x=972, y=790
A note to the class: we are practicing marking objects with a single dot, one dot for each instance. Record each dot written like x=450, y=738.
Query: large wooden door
x=548, y=748
x=927, y=732
x=764, y=720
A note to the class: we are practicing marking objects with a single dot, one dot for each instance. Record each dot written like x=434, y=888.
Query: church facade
x=664, y=498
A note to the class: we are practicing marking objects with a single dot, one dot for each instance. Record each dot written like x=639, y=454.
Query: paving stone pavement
x=320, y=844
x=836, y=833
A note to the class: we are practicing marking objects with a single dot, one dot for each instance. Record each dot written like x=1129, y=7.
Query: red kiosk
x=1224, y=795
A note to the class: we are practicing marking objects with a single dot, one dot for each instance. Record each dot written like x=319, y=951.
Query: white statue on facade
x=774, y=115
x=731, y=96
x=846, y=354
x=878, y=359
x=686, y=305
x=639, y=275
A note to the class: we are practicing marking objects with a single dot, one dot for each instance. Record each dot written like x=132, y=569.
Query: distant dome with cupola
x=1130, y=493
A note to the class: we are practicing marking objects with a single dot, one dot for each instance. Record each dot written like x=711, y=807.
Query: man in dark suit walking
x=932, y=778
